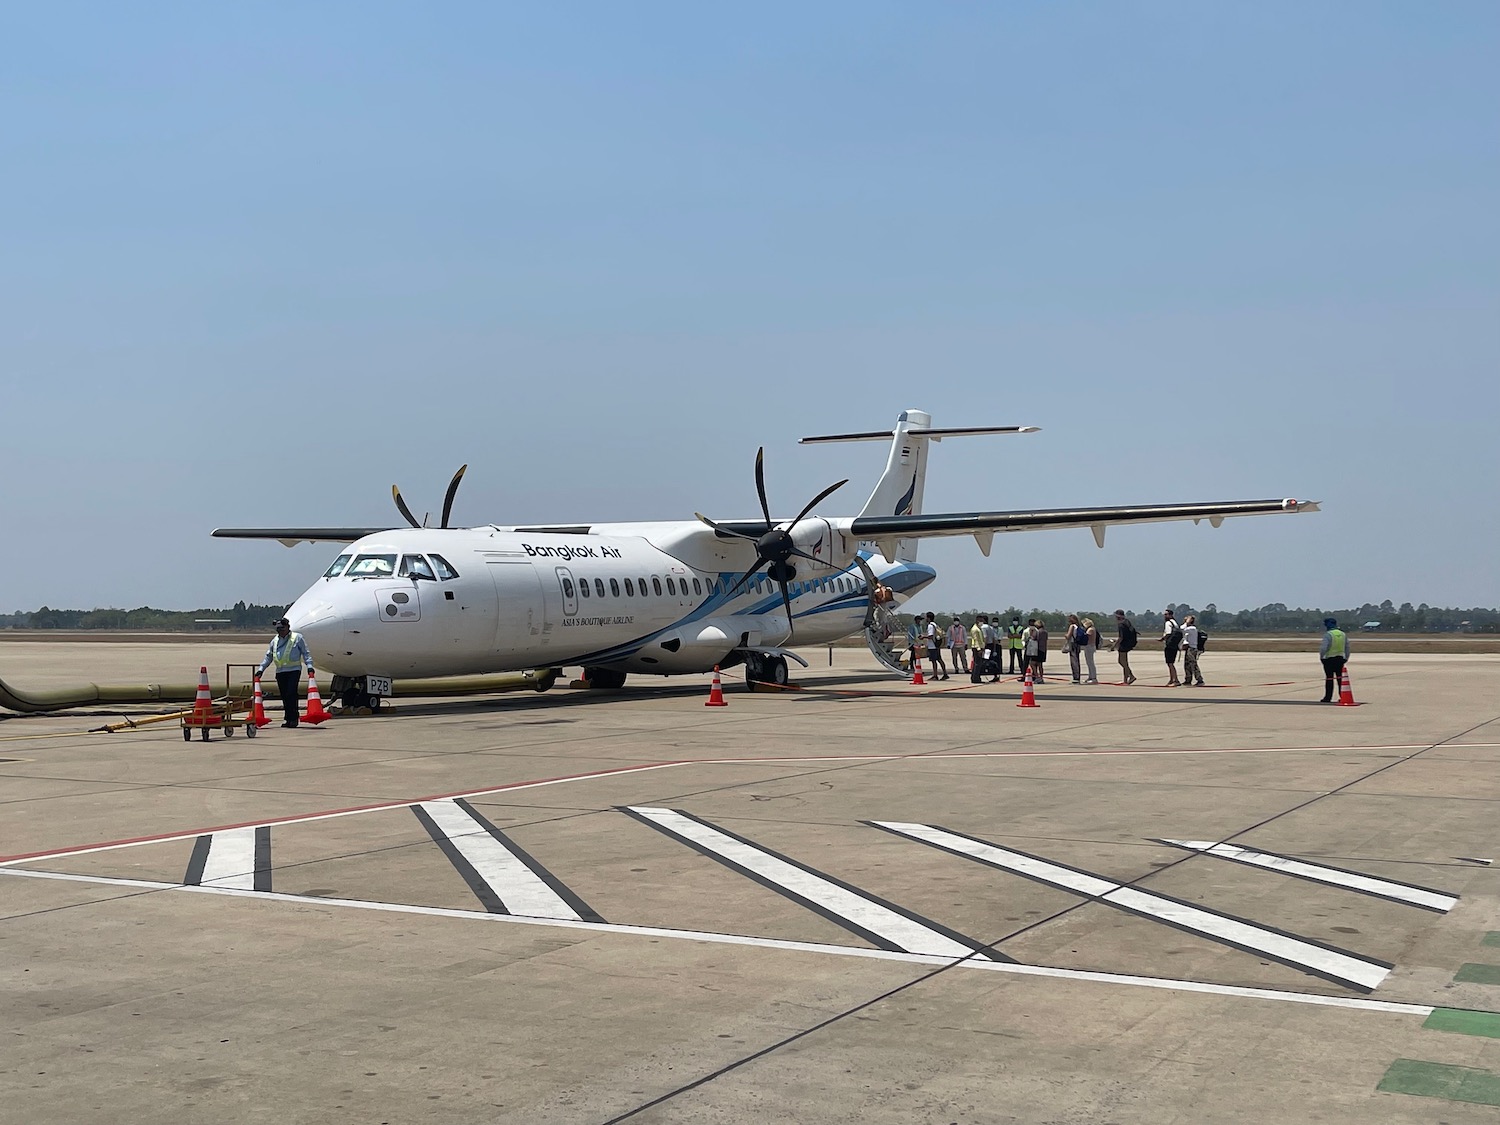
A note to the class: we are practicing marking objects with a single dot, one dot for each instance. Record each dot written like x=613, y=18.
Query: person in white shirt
x=1191, y=676
x=1171, y=641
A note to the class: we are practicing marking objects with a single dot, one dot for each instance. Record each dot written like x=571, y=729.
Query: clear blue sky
x=260, y=261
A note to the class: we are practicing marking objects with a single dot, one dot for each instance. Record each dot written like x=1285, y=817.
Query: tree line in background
x=146, y=619
x=1273, y=618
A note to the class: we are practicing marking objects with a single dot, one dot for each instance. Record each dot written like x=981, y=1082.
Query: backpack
x=1080, y=637
x=1128, y=636
x=1202, y=640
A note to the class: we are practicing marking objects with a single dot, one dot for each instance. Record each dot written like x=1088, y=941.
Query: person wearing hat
x=288, y=651
x=1334, y=653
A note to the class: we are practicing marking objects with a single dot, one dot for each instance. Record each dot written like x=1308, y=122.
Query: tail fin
x=899, y=490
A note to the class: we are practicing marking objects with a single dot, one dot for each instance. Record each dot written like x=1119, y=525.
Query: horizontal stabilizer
x=293, y=535
x=935, y=433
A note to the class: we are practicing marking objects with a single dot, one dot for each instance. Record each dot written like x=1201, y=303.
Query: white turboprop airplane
x=652, y=598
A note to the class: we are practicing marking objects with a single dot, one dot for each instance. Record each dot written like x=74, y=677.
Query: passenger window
x=583, y=586
x=415, y=566
x=599, y=586
x=614, y=587
x=372, y=566
x=629, y=588
x=338, y=567
x=656, y=585
x=671, y=586
x=445, y=568
x=567, y=588
x=641, y=585
x=697, y=589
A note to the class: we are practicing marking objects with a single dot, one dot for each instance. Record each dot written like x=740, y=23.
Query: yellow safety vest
x=1338, y=643
x=285, y=655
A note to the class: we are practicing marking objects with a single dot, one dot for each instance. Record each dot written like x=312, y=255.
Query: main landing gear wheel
x=608, y=678
x=762, y=669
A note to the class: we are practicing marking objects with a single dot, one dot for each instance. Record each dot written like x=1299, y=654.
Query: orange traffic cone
x=203, y=705
x=258, y=707
x=916, y=670
x=716, y=692
x=315, y=713
x=1346, y=693
x=1028, y=693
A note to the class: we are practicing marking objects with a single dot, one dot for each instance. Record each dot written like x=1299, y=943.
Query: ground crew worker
x=958, y=645
x=1017, y=642
x=288, y=651
x=1334, y=653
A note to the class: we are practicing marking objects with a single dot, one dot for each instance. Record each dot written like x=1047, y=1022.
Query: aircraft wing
x=886, y=530
x=291, y=536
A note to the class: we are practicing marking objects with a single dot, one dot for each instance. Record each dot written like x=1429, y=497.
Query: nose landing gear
x=351, y=693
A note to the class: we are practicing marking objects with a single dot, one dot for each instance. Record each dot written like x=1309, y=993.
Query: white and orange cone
x=258, y=707
x=716, y=692
x=315, y=713
x=916, y=670
x=1346, y=693
x=203, y=704
x=1028, y=693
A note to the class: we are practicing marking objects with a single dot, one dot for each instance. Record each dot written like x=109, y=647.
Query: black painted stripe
x=482, y=890
x=561, y=890
x=198, y=861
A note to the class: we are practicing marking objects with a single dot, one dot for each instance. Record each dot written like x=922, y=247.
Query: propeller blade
x=760, y=484
x=723, y=530
x=816, y=500
x=452, y=490
x=401, y=504
x=749, y=574
x=786, y=600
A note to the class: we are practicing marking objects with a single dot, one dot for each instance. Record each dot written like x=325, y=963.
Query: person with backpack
x=1171, y=642
x=1126, y=639
x=1192, y=645
x=1091, y=641
x=1073, y=641
x=935, y=647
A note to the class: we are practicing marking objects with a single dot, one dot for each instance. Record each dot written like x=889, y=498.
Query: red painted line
x=326, y=813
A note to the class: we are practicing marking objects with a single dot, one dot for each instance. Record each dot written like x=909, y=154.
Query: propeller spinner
x=447, y=500
x=774, y=547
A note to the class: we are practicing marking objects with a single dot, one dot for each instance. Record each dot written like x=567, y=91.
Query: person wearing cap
x=1334, y=653
x=288, y=651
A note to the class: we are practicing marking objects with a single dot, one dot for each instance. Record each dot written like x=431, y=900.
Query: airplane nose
x=322, y=628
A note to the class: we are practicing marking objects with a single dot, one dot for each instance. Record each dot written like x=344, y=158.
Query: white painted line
x=231, y=860
x=1317, y=872
x=386, y=806
x=875, y=921
x=1335, y=965
x=513, y=883
x=1121, y=979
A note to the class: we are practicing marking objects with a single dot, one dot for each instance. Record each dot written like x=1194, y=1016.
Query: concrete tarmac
x=859, y=901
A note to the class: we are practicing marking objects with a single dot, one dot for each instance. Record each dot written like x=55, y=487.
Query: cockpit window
x=372, y=566
x=444, y=567
x=338, y=567
x=415, y=566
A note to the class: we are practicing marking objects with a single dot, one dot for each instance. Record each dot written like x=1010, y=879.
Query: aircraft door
x=568, y=590
x=521, y=620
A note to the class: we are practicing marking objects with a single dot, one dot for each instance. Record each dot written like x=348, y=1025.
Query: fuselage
x=440, y=602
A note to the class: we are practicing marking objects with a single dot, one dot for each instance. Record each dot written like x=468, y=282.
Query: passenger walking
x=1073, y=646
x=1090, y=646
x=1016, y=644
x=935, y=647
x=1192, y=645
x=1334, y=653
x=1028, y=649
x=1171, y=641
x=958, y=644
x=288, y=651
x=992, y=646
x=1126, y=639
x=1039, y=637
